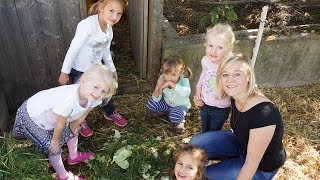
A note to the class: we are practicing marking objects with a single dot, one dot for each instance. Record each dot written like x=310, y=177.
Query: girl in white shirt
x=52, y=117
x=90, y=45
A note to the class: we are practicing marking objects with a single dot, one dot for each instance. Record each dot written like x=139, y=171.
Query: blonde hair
x=224, y=30
x=248, y=70
x=175, y=63
x=101, y=72
x=100, y=4
x=199, y=155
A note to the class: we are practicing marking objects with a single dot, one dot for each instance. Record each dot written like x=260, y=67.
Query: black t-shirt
x=261, y=115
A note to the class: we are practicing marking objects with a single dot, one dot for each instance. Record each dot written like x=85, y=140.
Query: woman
x=253, y=149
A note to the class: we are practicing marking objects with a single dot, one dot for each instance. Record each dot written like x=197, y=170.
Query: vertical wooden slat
x=154, y=39
x=4, y=116
x=70, y=17
x=53, y=36
x=83, y=9
x=31, y=29
x=139, y=33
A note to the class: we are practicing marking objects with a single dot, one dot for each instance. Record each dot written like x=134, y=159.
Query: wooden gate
x=138, y=12
x=34, y=38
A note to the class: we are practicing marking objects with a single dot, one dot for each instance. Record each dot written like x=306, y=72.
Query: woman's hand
x=54, y=146
x=197, y=99
x=64, y=79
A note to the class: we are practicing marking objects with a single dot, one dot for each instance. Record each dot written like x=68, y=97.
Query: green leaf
x=214, y=19
x=231, y=15
x=203, y=22
x=120, y=157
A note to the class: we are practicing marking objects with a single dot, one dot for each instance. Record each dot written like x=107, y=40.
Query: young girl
x=172, y=92
x=90, y=45
x=52, y=117
x=190, y=163
x=214, y=111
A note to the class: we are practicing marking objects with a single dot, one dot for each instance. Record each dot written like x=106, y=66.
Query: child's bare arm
x=75, y=125
x=55, y=142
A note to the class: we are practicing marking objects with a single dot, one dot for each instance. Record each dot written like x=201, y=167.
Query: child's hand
x=198, y=98
x=160, y=81
x=168, y=84
x=64, y=79
x=54, y=146
x=75, y=128
x=115, y=75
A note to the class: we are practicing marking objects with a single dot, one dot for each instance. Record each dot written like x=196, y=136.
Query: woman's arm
x=259, y=139
x=55, y=142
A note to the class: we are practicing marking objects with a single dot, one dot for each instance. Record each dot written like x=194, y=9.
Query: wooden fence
x=34, y=38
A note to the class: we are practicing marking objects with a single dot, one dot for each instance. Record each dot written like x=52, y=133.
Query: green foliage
x=18, y=161
x=220, y=13
x=143, y=162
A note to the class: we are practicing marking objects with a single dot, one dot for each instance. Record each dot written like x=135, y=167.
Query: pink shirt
x=207, y=83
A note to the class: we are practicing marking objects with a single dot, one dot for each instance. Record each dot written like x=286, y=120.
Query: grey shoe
x=179, y=128
x=154, y=114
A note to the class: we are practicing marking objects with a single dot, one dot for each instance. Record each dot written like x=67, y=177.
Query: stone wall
x=283, y=61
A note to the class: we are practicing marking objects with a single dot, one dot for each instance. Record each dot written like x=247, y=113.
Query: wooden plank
x=30, y=22
x=4, y=115
x=53, y=35
x=138, y=33
x=155, y=39
x=70, y=17
x=15, y=66
x=83, y=9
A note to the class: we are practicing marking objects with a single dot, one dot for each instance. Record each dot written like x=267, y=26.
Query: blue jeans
x=223, y=144
x=107, y=104
x=213, y=118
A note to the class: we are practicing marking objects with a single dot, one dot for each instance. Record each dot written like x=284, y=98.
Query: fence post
x=258, y=40
x=4, y=115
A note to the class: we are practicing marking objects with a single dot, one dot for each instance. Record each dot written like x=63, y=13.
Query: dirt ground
x=184, y=15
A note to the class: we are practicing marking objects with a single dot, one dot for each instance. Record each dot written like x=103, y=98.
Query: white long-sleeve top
x=89, y=46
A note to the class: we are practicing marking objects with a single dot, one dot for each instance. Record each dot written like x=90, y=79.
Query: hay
x=300, y=109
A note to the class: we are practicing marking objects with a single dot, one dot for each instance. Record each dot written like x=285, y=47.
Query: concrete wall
x=284, y=61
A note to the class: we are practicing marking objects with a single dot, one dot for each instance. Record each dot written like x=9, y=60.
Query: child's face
x=173, y=76
x=186, y=167
x=112, y=13
x=217, y=48
x=93, y=90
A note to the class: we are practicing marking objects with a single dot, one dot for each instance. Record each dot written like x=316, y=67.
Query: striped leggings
x=176, y=114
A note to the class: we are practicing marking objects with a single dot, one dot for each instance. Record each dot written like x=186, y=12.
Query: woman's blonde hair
x=222, y=29
x=101, y=72
x=100, y=4
x=248, y=70
x=175, y=63
x=199, y=155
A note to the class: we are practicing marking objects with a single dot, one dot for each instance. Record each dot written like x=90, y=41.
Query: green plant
x=223, y=12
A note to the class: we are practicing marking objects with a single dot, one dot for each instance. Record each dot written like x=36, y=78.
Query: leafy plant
x=220, y=13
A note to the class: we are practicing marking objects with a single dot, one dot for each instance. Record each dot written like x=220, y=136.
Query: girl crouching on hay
x=172, y=91
x=52, y=117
